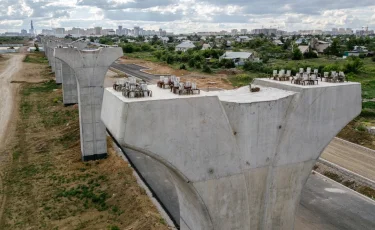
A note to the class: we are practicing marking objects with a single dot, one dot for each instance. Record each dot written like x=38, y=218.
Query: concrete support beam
x=69, y=82
x=90, y=67
x=239, y=160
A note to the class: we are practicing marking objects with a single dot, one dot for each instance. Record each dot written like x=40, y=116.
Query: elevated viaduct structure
x=90, y=68
x=238, y=160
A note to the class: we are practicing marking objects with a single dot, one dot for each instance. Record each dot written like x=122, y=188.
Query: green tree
x=128, y=48
x=154, y=40
x=353, y=65
x=191, y=63
x=36, y=47
x=297, y=54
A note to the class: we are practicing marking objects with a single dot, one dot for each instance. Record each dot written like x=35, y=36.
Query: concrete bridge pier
x=69, y=85
x=238, y=160
x=50, y=46
x=58, y=71
x=90, y=67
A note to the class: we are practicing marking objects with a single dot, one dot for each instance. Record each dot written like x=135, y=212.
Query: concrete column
x=238, y=160
x=69, y=85
x=51, y=45
x=58, y=71
x=90, y=67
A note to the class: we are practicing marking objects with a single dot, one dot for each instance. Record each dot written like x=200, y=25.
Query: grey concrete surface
x=134, y=70
x=90, y=67
x=324, y=204
x=69, y=85
x=238, y=160
x=69, y=81
x=58, y=71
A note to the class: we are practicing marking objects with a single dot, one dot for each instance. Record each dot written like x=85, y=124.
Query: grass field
x=36, y=58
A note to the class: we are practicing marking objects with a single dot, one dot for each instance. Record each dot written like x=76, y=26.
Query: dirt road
x=7, y=94
x=351, y=157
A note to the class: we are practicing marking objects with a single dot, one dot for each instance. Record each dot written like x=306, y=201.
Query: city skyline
x=186, y=16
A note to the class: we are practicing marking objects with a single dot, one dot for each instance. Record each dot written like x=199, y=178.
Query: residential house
x=238, y=58
x=184, y=46
x=181, y=38
x=243, y=39
x=304, y=49
x=164, y=39
x=278, y=42
x=206, y=47
x=318, y=45
x=357, y=50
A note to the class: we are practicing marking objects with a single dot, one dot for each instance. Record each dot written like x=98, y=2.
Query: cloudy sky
x=187, y=15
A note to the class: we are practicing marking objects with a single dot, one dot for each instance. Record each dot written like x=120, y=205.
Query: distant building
x=32, y=31
x=234, y=32
x=243, y=31
x=136, y=31
x=98, y=30
x=119, y=31
x=184, y=46
x=239, y=58
x=265, y=31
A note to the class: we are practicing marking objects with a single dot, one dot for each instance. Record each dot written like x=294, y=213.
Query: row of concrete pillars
x=81, y=72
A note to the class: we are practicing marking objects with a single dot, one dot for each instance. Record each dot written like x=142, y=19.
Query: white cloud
x=187, y=15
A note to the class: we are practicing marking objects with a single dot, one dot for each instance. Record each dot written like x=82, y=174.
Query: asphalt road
x=351, y=157
x=324, y=204
x=134, y=70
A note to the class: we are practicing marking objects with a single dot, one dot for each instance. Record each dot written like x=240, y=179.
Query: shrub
x=297, y=54
x=198, y=65
x=361, y=128
x=373, y=58
x=227, y=63
x=191, y=63
x=368, y=104
x=206, y=69
x=128, y=48
x=182, y=66
x=353, y=65
x=146, y=47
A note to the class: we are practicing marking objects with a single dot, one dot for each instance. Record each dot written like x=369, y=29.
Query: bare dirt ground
x=204, y=81
x=7, y=91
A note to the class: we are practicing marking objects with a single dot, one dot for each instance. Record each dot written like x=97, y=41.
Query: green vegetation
x=38, y=58
x=365, y=190
x=12, y=40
